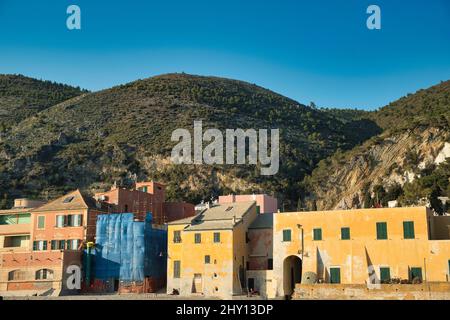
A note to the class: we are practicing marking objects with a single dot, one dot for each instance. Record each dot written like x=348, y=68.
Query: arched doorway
x=292, y=273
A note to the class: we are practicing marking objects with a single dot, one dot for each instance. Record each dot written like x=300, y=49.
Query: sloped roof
x=218, y=217
x=74, y=200
x=262, y=221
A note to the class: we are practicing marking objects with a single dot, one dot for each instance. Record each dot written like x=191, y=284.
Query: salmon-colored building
x=58, y=230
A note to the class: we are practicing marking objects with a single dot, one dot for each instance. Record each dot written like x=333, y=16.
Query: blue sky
x=317, y=51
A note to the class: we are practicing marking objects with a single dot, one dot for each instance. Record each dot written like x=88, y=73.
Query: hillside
x=123, y=133
x=406, y=162
x=21, y=97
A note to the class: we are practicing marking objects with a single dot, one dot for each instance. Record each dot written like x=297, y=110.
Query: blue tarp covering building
x=129, y=250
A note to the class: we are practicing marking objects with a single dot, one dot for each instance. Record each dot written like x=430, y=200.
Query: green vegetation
x=425, y=108
x=124, y=133
x=120, y=133
x=21, y=97
x=409, y=118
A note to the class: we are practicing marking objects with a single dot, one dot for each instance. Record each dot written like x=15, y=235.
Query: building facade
x=58, y=231
x=363, y=246
x=208, y=254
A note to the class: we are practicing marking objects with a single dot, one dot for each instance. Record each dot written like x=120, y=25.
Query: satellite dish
x=309, y=278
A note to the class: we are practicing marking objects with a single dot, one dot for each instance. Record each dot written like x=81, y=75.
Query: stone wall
x=424, y=291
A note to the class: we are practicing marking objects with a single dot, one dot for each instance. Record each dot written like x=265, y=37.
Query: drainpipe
x=425, y=269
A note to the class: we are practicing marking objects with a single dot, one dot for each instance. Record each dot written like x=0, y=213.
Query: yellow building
x=207, y=254
x=359, y=247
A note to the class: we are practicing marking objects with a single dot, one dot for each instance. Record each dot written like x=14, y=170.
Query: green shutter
x=258, y=210
x=381, y=230
x=35, y=245
x=287, y=235
x=408, y=229
x=41, y=222
x=335, y=275
x=385, y=274
x=416, y=272
x=317, y=234
x=345, y=233
x=44, y=245
x=176, y=268
x=54, y=247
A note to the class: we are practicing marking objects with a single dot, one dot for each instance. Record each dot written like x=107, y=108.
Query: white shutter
x=77, y=220
x=60, y=221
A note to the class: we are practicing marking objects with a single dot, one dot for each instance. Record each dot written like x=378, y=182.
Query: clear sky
x=317, y=51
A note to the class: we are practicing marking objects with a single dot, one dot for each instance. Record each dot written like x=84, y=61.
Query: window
x=8, y=219
x=69, y=220
x=415, y=272
x=41, y=222
x=58, y=244
x=177, y=236
x=381, y=230
x=385, y=274
x=216, y=237
x=408, y=229
x=44, y=274
x=16, y=241
x=207, y=259
x=77, y=220
x=40, y=245
x=198, y=238
x=16, y=275
x=68, y=199
x=258, y=210
x=176, y=268
x=286, y=235
x=269, y=264
x=73, y=244
x=335, y=275
x=345, y=233
x=317, y=234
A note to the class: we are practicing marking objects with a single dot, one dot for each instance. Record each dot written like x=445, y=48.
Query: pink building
x=264, y=203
